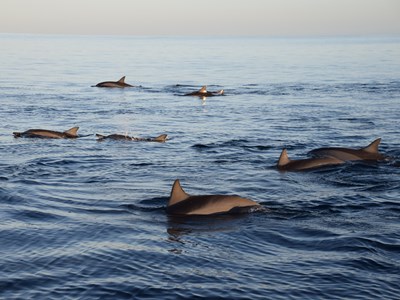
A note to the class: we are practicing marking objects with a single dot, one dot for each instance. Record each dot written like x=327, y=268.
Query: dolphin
x=114, y=84
x=370, y=152
x=286, y=164
x=204, y=93
x=181, y=203
x=161, y=138
x=44, y=133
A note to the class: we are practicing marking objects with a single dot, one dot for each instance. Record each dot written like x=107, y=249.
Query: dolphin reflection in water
x=181, y=203
x=50, y=134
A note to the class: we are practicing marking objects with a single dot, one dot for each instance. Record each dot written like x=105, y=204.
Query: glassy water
x=82, y=219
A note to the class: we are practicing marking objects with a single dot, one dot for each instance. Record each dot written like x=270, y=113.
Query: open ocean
x=82, y=219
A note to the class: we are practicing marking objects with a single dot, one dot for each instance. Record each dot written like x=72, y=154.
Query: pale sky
x=189, y=17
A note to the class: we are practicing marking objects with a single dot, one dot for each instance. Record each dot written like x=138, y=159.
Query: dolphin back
x=181, y=203
x=114, y=84
x=177, y=193
x=371, y=152
x=100, y=137
x=204, y=93
x=44, y=133
x=161, y=138
x=72, y=132
x=373, y=147
x=283, y=159
x=285, y=164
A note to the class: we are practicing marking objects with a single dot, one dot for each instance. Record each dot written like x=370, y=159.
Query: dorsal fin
x=122, y=80
x=177, y=194
x=73, y=131
x=284, y=158
x=203, y=90
x=161, y=138
x=373, y=147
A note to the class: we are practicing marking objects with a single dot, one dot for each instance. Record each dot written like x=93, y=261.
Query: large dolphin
x=114, y=84
x=181, y=203
x=161, y=138
x=286, y=164
x=370, y=152
x=204, y=93
x=44, y=133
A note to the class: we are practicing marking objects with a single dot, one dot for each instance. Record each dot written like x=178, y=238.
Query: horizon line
x=294, y=36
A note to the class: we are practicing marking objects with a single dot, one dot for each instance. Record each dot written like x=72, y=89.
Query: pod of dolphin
x=181, y=203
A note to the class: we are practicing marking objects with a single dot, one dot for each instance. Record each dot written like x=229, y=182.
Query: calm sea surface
x=81, y=219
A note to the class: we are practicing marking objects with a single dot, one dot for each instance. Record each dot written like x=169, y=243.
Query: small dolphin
x=204, y=93
x=114, y=84
x=43, y=133
x=346, y=154
x=181, y=203
x=161, y=138
x=286, y=164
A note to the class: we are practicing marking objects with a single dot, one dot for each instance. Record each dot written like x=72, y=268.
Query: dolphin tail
x=73, y=131
x=220, y=92
x=161, y=138
x=373, y=147
x=283, y=159
x=17, y=134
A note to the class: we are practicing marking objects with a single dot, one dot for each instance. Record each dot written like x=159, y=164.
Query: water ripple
x=82, y=219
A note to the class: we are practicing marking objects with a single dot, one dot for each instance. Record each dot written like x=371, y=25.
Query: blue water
x=82, y=219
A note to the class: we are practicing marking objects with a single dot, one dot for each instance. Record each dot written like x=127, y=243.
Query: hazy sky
x=189, y=17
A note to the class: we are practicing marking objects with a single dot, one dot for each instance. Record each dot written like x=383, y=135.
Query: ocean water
x=82, y=219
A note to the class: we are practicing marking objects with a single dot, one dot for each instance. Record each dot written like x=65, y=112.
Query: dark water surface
x=81, y=219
